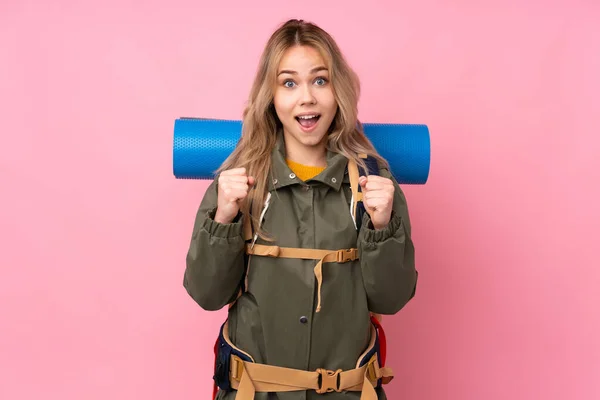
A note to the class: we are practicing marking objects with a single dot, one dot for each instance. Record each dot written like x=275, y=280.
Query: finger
x=377, y=194
x=235, y=186
x=362, y=181
x=377, y=203
x=236, y=178
x=234, y=171
x=379, y=178
x=251, y=180
x=372, y=185
x=236, y=194
x=379, y=182
x=378, y=186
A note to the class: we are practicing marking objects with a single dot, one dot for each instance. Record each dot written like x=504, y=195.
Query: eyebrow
x=312, y=71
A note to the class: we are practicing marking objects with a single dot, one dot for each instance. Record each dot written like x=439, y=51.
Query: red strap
x=382, y=343
x=215, y=388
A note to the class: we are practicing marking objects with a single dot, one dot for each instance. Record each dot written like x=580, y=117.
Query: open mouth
x=308, y=121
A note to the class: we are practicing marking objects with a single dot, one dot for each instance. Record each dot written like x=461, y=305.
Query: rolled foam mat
x=201, y=145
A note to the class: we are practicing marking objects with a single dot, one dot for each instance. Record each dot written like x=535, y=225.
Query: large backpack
x=344, y=255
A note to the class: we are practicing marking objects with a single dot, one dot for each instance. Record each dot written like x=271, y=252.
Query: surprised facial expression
x=304, y=100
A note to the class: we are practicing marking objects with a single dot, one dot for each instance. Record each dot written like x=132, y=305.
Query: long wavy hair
x=260, y=124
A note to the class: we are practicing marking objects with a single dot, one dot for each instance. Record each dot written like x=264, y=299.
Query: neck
x=315, y=156
x=314, y=159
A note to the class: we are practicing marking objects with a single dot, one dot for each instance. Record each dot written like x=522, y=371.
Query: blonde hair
x=260, y=124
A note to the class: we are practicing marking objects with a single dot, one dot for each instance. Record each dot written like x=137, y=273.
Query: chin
x=312, y=139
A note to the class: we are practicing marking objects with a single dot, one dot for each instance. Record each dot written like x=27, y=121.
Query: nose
x=307, y=95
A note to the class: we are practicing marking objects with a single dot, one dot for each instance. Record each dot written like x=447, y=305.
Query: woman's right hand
x=233, y=187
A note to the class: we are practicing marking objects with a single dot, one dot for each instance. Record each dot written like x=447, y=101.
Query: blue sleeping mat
x=201, y=145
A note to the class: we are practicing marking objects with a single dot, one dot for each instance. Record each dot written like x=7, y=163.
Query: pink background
x=94, y=227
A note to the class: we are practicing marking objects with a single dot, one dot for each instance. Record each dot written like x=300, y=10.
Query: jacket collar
x=281, y=175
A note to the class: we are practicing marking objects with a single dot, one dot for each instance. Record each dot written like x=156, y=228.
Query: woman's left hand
x=378, y=198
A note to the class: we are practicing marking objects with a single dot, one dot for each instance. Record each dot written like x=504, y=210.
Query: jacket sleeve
x=215, y=262
x=387, y=258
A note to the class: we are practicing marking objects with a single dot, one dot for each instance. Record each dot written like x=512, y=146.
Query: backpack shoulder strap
x=353, y=174
x=247, y=226
x=358, y=208
x=358, y=211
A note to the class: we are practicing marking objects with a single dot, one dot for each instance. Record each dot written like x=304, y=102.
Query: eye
x=288, y=83
x=321, y=81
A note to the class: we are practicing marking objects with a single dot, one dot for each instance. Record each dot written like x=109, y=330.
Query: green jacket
x=274, y=319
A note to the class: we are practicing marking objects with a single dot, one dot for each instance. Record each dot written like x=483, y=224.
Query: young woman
x=279, y=237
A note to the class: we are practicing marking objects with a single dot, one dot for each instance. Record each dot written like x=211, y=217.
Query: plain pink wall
x=94, y=227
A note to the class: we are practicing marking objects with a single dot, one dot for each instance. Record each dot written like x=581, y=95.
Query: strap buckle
x=237, y=369
x=346, y=255
x=329, y=381
x=373, y=372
